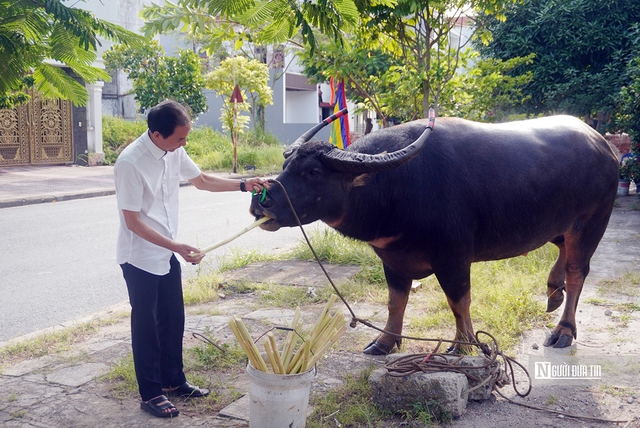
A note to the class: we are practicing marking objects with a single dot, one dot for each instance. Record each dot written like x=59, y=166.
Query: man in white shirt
x=147, y=176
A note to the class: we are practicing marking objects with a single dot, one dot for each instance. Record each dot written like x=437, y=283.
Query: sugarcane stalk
x=276, y=355
x=271, y=355
x=290, y=342
x=323, y=314
x=242, y=342
x=334, y=338
x=335, y=324
x=249, y=347
x=231, y=238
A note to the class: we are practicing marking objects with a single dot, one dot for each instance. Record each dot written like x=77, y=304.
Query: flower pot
x=623, y=188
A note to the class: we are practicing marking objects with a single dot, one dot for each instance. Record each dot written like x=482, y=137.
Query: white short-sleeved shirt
x=147, y=181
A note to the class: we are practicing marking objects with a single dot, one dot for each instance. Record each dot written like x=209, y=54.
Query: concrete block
x=480, y=394
x=402, y=393
x=484, y=392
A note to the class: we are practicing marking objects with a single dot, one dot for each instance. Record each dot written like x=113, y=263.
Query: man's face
x=174, y=141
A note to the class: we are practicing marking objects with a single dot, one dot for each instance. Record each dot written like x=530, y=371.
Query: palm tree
x=36, y=34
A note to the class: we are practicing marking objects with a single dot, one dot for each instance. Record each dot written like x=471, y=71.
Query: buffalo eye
x=314, y=172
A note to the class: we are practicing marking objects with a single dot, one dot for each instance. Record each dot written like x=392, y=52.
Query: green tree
x=486, y=91
x=269, y=21
x=389, y=85
x=581, y=49
x=34, y=31
x=157, y=77
x=252, y=77
x=429, y=36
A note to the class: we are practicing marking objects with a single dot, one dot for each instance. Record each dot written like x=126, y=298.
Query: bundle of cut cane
x=326, y=331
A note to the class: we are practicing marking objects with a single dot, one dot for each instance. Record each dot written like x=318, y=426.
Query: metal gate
x=39, y=132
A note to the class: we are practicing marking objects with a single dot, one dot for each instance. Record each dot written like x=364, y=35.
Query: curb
x=52, y=198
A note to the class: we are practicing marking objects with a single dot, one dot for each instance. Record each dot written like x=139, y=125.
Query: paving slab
x=75, y=376
x=292, y=272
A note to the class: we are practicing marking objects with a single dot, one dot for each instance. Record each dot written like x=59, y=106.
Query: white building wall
x=301, y=107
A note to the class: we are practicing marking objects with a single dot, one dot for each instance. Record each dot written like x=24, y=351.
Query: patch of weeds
x=18, y=414
x=551, y=400
x=241, y=287
x=427, y=413
x=348, y=405
x=12, y=397
x=573, y=352
x=201, y=289
x=597, y=301
x=208, y=357
x=620, y=339
x=332, y=247
x=627, y=307
x=627, y=284
x=622, y=320
x=123, y=378
x=274, y=295
x=51, y=343
x=238, y=258
x=617, y=391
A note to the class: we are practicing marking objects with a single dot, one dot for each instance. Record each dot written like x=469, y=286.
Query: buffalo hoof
x=559, y=340
x=555, y=299
x=376, y=348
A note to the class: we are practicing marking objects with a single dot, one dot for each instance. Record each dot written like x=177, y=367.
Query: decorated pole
x=236, y=98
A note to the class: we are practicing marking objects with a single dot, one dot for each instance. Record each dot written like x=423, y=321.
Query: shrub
x=210, y=149
x=118, y=133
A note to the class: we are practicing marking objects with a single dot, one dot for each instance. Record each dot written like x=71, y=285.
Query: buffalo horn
x=355, y=162
x=313, y=131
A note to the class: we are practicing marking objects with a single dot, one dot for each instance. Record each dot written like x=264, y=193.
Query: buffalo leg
x=580, y=244
x=399, y=288
x=456, y=284
x=555, y=283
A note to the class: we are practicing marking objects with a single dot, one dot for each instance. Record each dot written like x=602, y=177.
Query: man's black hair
x=166, y=116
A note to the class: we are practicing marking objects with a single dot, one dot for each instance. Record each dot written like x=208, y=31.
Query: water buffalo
x=469, y=192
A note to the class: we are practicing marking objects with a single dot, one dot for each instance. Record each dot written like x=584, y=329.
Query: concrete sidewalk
x=25, y=185
x=65, y=389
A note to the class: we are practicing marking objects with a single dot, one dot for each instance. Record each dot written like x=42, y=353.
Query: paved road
x=58, y=259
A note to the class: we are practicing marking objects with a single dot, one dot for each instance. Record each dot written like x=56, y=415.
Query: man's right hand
x=190, y=254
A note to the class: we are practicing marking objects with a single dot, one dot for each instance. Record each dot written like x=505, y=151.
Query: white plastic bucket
x=278, y=401
x=623, y=188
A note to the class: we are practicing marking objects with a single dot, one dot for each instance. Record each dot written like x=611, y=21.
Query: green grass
x=349, y=405
x=122, y=377
x=201, y=289
x=507, y=299
x=51, y=343
x=627, y=284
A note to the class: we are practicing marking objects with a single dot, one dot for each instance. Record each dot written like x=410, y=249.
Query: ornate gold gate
x=39, y=132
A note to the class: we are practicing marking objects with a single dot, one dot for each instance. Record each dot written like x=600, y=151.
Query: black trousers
x=157, y=327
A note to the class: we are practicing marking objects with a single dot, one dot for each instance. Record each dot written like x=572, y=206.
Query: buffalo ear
x=361, y=180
